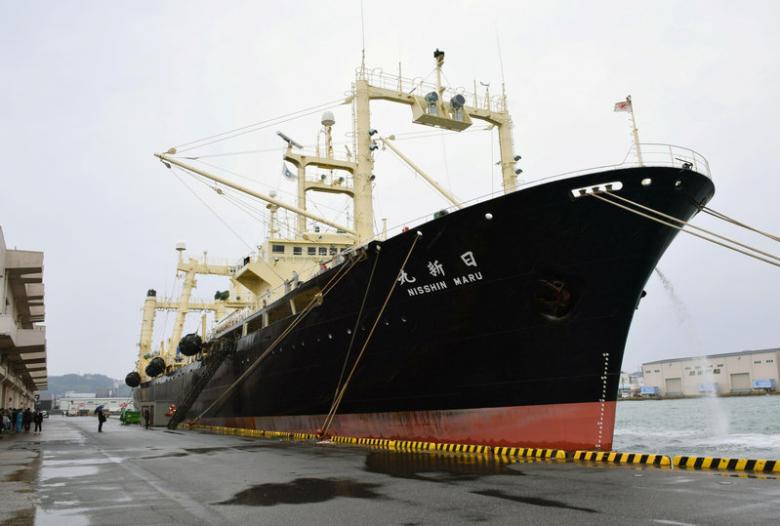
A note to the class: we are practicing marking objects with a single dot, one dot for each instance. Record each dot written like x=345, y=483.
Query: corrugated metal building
x=729, y=373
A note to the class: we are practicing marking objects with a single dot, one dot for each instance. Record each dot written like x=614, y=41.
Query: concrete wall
x=715, y=370
x=22, y=338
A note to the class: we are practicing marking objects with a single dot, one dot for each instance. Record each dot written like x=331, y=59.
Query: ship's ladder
x=212, y=362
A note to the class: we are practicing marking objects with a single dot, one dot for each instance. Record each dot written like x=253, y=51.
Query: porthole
x=646, y=181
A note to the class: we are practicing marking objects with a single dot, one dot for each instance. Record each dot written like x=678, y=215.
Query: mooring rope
x=724, y=217
x=685, y=223
x=357, y=322
x=671, y=225
x=340, y=396
x=343, y=271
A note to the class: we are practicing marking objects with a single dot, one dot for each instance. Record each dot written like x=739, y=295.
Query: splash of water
x=719, y=418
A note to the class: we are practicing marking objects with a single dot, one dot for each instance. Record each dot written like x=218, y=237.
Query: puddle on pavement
x=207, y=451
x=303, y=491
x=23, y=475
x=438, y=467
x=535, y=501
x=81, y=461
x=48, y=473
x=68, y=517
x=166, y=455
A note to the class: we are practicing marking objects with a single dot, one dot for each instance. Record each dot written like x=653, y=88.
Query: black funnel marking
x=303, y=491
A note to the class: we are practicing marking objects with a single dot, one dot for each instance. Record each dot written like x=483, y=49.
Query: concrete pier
x=71, y=474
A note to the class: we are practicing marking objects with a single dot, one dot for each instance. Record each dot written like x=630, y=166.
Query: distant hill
x=85, y=383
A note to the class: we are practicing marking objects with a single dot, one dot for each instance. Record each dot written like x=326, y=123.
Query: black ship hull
x=507, y=327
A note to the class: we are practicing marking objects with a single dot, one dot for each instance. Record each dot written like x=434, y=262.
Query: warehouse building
x=745, y=372
x=22, y=335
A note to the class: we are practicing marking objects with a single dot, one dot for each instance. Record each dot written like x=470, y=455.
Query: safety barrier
x=614, y=457
x=407, y=445
x=727, y=464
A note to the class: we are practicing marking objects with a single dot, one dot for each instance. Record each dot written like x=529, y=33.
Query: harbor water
x=745, y=426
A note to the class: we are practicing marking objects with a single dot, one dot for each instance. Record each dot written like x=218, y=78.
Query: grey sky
x=90, y=89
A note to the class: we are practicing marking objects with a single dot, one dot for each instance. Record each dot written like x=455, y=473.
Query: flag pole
x=635, y=131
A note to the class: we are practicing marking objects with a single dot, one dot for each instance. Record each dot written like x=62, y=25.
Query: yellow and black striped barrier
x=398, y=445
x=727, y=464
x=408, y=445
x=614, y=457
x=530, y=452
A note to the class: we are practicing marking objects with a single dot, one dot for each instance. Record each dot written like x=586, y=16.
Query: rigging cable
x=671, y=225
x=403, y=136
x=236, y=174
x=213, y=211
x=337, y=401
x=222, y=136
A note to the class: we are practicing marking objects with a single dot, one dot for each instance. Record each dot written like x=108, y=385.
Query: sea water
x=745, y=426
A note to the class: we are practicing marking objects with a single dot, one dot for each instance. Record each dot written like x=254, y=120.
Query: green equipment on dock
x=130, y=417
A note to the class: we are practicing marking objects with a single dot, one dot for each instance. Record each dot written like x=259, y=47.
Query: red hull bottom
x=555, y=426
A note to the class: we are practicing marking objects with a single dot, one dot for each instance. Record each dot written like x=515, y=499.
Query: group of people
x=18, y=420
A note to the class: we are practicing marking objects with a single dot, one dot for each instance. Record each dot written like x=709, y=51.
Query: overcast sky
x=91, y=89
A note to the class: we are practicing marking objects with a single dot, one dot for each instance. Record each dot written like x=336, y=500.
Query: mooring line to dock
x=330, y=285
x=742, y=466
x=772, y=259
x=343, y=389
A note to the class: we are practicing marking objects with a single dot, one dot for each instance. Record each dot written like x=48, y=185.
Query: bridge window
x=297, y=251
x=311, y=251
x=277, y=249
x=323, y=251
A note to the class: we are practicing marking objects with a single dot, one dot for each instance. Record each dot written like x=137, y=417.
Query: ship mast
x=287, y=260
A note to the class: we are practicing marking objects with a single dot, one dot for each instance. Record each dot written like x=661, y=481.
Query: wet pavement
x=70, y=474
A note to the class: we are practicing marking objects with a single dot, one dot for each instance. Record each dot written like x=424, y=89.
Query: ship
x=501, y=321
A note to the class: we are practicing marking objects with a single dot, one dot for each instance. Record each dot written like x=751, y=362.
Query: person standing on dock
x=27, y=418
x=38, y=419
x=18, y=420
x=101, y=419
x=147, y=418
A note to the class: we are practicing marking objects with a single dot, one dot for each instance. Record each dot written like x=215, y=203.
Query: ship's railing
x=653, y=154
x=418, y=86
x=660, y=154
x=193, y=304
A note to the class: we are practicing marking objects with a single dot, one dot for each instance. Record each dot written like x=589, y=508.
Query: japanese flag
x=624, y=105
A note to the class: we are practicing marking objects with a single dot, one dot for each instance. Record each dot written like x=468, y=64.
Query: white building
x=22, y=337
x=730, y=373
x=85, y=405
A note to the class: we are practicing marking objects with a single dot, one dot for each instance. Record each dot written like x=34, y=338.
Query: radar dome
x=328, y=119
